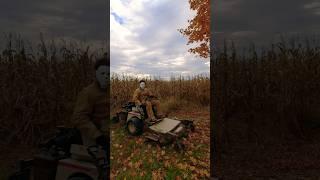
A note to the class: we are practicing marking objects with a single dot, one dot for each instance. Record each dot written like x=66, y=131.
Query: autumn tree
x=198, y=30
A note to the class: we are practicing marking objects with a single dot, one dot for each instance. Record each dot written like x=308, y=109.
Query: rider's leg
x=87, y=140
x=156, y=103
x=149, y=110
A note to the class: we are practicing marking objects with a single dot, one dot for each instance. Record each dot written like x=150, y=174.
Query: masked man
x=90, y=113
x=143, y=96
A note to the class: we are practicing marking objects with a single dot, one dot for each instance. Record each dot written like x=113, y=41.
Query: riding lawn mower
x=162, y=131
x=63, y=157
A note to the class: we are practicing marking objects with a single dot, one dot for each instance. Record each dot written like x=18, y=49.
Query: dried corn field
x=39, y=88
x=276, y=89
x=192, y=90
x=266, y=110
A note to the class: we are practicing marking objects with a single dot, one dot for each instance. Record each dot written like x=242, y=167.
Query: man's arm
x=135, y=97
x=150, y=94
x=81, y=116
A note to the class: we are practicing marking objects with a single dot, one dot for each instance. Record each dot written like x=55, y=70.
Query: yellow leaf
x=192, y=168
x=182, y=166
x=193, y=160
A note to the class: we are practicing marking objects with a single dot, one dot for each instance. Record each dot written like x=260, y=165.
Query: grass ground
x=131, y=157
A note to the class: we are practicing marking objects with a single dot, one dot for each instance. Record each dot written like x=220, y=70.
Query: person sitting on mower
x=143, y=96
x=90, y=112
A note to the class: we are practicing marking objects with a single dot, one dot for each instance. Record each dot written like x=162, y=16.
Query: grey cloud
x=76, y=19
x=312, y=5
x=265, y=19
x=163, y=43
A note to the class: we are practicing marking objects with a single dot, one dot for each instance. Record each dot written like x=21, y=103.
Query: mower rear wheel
x=135, y=126
x=80, y=176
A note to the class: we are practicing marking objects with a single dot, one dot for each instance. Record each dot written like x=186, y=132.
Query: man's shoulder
x=147, y=89
x=144, y=90
x=137, y=90
x=89, y=87
x=92, y=88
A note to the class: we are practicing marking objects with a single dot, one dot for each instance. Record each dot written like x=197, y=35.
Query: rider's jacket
x=140, y=95
x=90, y=112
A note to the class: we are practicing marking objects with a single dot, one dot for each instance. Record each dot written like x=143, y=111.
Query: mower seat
x=128, y=106
x=63, y=138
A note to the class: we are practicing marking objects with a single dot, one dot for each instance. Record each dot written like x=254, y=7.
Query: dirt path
x=131, y=157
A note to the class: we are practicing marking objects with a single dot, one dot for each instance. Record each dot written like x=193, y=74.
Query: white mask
x=142, y=85
x=102, y=76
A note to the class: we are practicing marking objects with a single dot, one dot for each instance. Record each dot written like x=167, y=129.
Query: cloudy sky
x=263, y=21
x=77, y=20
x=144, y=36
x=145, y=40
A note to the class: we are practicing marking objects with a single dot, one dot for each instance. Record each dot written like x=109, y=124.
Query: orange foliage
x=198, y=30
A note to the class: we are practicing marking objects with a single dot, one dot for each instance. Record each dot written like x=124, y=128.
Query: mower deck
x=162, y=131
x=167, y=131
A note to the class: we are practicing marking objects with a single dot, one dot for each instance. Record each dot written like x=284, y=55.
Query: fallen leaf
x=193, y=160
x=133, y=173
x=150, y=160
x=137, y=164
x=156, y=175
x=182, y=166
x=130, y=164
x=166, y=164
x=192, y=168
